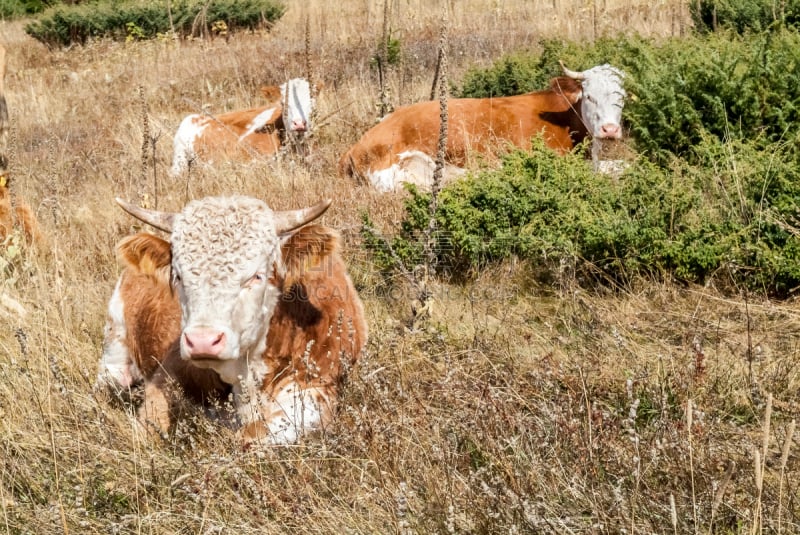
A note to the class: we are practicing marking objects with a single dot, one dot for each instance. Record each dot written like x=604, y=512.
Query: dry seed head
x=787, y=444
x=758, y=470
x=767, y=418
x=689, y=412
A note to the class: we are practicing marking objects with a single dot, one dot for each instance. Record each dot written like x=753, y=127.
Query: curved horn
x=291, y=219
x=572, y=74
x=160, y=220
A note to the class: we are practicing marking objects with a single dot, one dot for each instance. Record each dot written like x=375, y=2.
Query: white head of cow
x=602, y=100
x=297, y=105
x=225, y=251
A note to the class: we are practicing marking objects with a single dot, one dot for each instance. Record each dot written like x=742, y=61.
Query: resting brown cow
x=16, y=213
x=402, y=147
x=245, y=134
x=268, y=312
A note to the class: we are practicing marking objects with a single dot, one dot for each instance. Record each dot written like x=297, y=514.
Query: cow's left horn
x=291, y=219
x=575, y=75
x=160, y=220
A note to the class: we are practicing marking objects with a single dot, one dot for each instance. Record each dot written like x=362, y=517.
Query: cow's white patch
x=189, y=131
x=218, y=244
x=295, y=412
x=117, y=368
x=414, y=167
x=602, y=101
x=297, y=104
x=248, y=396
x=258, y=122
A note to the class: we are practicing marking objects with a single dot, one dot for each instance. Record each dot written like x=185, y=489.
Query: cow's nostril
x=204, y=341
x=610, y=130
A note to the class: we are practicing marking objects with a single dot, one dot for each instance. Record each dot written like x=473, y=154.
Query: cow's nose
x=610, y=131
x=299, y=125
x=204, y=341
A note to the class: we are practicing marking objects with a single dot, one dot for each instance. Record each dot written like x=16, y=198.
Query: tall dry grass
x=519, y=409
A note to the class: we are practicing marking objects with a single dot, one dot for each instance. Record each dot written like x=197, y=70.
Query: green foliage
x=64, y=25
x=744, y=15
x=511, y=75
x=733, y=217
x=10, y=9
x=392, y=49
x=681, y=90
x=134, y=33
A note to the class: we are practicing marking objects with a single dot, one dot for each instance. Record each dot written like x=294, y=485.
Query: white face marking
x=223, y=253
x=414, y=167
x=298, y=104
x=189, y=131
x=602, y=101
x=116, y=368
x=259, y=121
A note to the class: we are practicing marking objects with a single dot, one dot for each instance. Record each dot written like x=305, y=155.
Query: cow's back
x=486, y=126
x=236, y=135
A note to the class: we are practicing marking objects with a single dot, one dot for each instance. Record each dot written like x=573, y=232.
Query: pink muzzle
x=610, y=131
x=204, y=342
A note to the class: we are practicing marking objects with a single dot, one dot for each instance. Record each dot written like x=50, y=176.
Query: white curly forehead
x=604, y=78
x=218, y=234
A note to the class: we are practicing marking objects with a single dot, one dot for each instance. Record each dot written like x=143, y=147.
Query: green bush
x=64, y=25
x=681, y=90
x=10, y=9
x=511, y=75
x=732, y=216
x=744, y=15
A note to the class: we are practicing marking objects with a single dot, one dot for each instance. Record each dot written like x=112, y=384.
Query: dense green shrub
x=681, y=90
x=64, y=25
x=733, y=217
x=744, y=15
x=511, y=75
x=10, y=9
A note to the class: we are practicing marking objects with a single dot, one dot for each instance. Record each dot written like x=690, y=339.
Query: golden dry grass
x=522, y=409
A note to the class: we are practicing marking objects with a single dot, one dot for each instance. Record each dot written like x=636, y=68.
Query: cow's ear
x=571, y=89
x=271, y=92
x=144, y=252
x=305, y=249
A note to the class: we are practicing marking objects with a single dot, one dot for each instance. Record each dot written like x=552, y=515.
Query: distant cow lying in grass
x=402, y=147
x=246, y=134
x=268, y=312
x=16, y=215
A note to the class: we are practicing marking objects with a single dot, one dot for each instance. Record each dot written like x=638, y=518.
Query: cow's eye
x=256, y=279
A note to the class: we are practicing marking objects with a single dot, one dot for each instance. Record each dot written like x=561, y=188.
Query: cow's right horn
x=160, y=220
x=291, y=219
x=575, y=75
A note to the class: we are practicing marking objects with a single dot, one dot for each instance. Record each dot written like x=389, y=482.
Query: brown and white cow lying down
x=402, y=147
x=245, y=134
x=16, y=214
x=262, y=306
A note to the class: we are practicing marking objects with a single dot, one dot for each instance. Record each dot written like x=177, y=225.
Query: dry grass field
x=518, y=409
